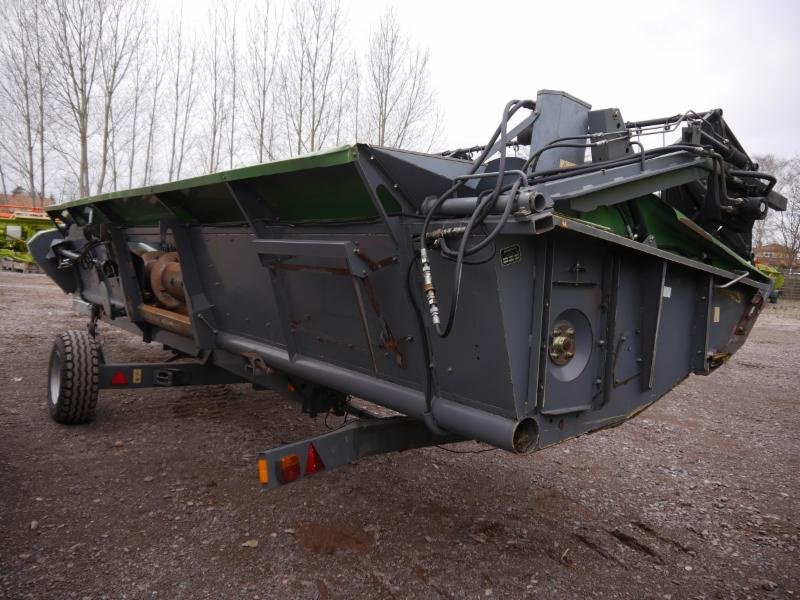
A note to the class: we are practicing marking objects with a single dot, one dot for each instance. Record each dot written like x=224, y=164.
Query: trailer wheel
x=73, y=378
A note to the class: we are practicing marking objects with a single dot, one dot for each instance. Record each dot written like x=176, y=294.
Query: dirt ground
x=699, y=497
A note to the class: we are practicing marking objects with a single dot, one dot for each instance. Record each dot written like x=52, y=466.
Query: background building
x=775, y=255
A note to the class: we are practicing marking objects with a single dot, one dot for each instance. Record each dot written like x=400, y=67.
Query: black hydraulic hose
x=553, y=174
x=755, y=175
x=534, y=158
x=430, y=421
x=458, y=269
x=481, y=209
x=543, y=176
x=731, y=154
x=519, y=173
x=651, y=122
x=502, y=133
x=507, y=113
x=480, y=212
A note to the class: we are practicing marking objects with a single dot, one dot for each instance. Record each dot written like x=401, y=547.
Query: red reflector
x=289, y=468
x=119, y=378
x=314, y=462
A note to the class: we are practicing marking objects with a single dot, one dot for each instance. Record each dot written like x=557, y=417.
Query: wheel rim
x=55, y=377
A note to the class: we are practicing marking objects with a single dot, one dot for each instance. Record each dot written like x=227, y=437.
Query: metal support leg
x=347, y=444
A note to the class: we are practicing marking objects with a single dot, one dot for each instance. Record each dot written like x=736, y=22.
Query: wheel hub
x=562, y=344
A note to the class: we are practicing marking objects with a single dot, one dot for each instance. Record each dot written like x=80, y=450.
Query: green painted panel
x=336, y=156
x=672, y=231
x=319, y=187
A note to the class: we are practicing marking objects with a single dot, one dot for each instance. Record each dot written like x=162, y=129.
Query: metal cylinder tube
x=530, y=200
x=515, y=435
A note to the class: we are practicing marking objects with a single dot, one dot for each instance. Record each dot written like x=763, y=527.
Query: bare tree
x=787, y=223
x=231, y=27
x=76, y=32
x=135, y=102
x=188, y=105
x=18, y=87
x=121, y=36
x=782, y=227
x=156, y=77
x=113, y=151
x=348, y=89
x=3, y=179
x=402, y=107
x=183, y=74
x=763, y=229
x=216, y=78
x=261, y=64
x=313, y=57
x=94, y=92
x=41, y=69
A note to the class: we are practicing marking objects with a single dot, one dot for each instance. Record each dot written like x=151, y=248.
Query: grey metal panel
x=674, y=343
x=421, y=174
x=39, y=247
x=236, y=283
x=673, y=350
x=654, y=290
x=516, y=289
x=276, y=250
x=586, y=191
x=610, y=121
x=576, y=298
x=701, y=325
x=561, y=115
x=727, y=307
x=473, y=365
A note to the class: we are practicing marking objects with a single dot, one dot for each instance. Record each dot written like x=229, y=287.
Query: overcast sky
x=650, y=59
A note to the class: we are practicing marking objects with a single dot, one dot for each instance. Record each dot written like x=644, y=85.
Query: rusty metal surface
x=167, y=319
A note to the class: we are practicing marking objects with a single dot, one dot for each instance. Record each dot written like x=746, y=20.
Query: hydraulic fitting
x=427, y=286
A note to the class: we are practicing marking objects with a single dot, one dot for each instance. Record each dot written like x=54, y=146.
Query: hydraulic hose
x=478, y=215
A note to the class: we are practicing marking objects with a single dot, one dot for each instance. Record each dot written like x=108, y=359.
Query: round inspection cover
x=569, y=367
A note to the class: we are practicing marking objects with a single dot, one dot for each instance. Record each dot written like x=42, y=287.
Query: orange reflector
x=291, y=388
x=314, y=462
x=119, y=378
x=263, y=474
x=289, y=468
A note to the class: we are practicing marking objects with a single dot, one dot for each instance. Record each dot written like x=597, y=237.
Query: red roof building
x=774, y=255
x=21, y=203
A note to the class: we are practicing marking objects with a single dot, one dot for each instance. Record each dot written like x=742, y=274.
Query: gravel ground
x=698, y=497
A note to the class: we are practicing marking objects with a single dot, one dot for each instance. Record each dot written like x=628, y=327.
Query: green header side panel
x=318, y=186
x=673, y=232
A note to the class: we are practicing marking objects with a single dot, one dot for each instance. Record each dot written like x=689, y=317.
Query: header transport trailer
x=518, y=301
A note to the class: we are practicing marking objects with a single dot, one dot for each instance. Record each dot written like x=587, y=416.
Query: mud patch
x=209, y=402
x=322, y=538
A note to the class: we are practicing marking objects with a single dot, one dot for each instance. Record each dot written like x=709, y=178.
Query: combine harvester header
x=515, y=301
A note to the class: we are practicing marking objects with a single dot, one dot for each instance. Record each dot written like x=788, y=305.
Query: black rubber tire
x=73, y=378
